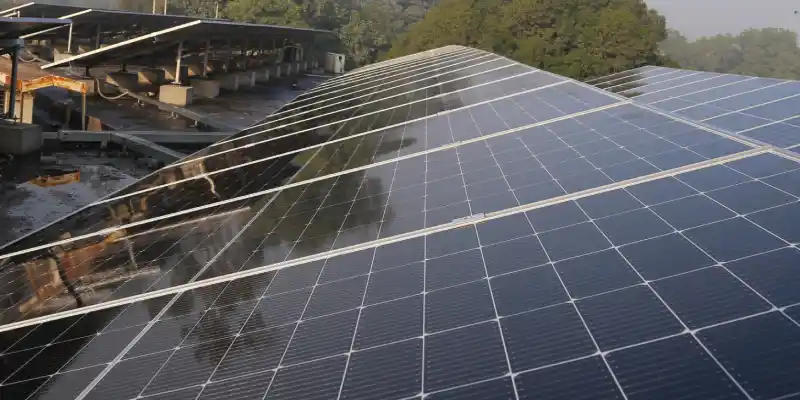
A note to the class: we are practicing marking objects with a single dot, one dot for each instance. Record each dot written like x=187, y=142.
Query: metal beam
x=173, y=137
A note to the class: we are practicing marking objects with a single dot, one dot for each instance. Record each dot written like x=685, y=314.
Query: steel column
x=69, y=40
x=178, y=64
x=12, y=96
x=205, y=57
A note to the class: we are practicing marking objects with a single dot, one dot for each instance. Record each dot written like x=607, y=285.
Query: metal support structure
x=205, y=57
x=228, y=53
x=178, y=57
x=12, y=96
x=69, y=40
x=83, y=111
x=165, y=7
x=97, y=37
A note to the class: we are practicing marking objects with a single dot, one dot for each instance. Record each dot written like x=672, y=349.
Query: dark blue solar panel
x=681, y=285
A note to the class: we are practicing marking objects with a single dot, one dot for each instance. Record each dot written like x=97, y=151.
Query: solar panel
x=762, y=109
x=549, y=242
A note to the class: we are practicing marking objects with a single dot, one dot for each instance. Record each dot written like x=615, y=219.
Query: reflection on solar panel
x=445, y=225
x=758, y=108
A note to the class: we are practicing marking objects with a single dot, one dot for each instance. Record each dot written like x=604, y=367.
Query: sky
x=695, y=18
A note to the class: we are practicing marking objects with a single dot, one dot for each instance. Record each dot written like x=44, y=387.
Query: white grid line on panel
x=388, y=66
x=399, y=65
x=639, y=96
x=346, y=86
x=728, y=97
x=550, y=262
x=286, y=186
x=270, y=139
x=331, y=141
x=338, y=121
x=767, y=124
x=406, y=79
x=349, y=90
x=627, y=71
x=177, y=295
x=741, y=110
x=661, y=82
x=654, y=78
x=657, y=72
x=397, y=238
x=108, y=196
x=703, y=90
x=397, y=68
x=688, y=86
x=646, y=283
x=296, y=112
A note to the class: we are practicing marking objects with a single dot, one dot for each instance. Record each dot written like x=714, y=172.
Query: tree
x=768, y=52
x=577, y=38
x=194, y=8
x=272, y=12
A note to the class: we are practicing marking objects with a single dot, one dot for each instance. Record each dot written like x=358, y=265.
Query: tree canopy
x=769, y=52
x=576, y=38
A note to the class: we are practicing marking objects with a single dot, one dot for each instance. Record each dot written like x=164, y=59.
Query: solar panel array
x=763, y=109
x=445, y=225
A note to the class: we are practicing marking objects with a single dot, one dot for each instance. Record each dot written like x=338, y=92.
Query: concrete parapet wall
x=23, y=106
x=19, y=139
x=124, y=80
x=194, y=69
x=247, y=79
x=169, y=72
x=228, y=81
x=176, y=95
x=205, y=88
x=262, y=75
x=151, y=76
x=216, y=66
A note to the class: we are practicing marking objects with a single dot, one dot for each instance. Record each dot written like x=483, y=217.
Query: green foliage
x=195, y=8
x=577, y=38
x=768, y=52
x=273, y=12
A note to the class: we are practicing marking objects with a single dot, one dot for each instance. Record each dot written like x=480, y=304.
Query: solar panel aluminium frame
x=755, y=125
x=392, y=239
x=146, y=176
x=571, y=115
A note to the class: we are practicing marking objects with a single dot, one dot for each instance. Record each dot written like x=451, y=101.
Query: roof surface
x=446, y=225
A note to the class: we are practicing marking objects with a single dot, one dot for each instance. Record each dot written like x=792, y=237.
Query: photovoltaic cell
x=757, y=108
x=604, y=281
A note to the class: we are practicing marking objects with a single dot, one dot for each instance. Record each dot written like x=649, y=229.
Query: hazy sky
x=696, y=18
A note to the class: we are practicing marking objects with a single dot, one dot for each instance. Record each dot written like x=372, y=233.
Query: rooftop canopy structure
x=192, y=36
x=446, y=225
x=15, y=28
x=11, y=32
